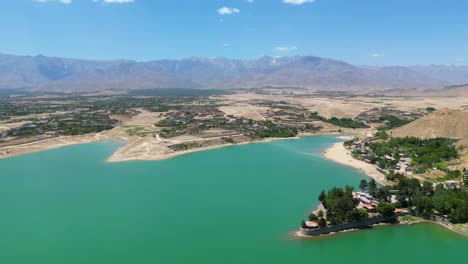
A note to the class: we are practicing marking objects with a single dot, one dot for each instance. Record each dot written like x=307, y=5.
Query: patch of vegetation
x=424, y=153
x=382, y=135
x=450, y=175
x=340, y=206
x=391, y=122
x=229, y=140
x=426, y=200
x=185, y=146
x=138, y=131
x=169, y=133
x=341, y=122
x=269, y=129
x=430, y=109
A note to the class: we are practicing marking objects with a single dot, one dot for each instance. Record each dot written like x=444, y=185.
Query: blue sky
x=371, y=32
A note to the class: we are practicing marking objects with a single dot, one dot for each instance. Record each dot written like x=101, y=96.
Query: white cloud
x=284, y=49
x=45, y=1
x=377, y=55
x=115, y=1
x=297, y=2
x=228, y=10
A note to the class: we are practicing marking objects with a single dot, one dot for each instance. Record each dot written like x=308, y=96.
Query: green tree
x=363, y=185
x=386, y=209
x=322, y=222
x=428, y=188
x=407, y=190
x=320, y=214
x=322, y=196
x=313, y=217
x=382, y=135
x=358, y=214
x=384, y=194
x=372, y=187
x=425, y=205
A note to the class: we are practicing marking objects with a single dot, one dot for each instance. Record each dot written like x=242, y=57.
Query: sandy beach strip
x=121, y=156
x=339, y=154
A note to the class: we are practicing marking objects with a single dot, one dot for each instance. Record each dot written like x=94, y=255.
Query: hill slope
x=440, y=123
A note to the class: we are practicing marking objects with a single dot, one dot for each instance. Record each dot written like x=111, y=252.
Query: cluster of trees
x=84, y=129
x=229, y=140
x=270, y=129
x=381, y=134
x=340, y=206
x=410, y=193
x=319, y=218
x=341, y=122
x=393, y=177
x=185, y=146
x=381, y=194
x=425, y=153
x=69, y=124
x=392, y=121
x=427, y=200
x=179, y=124
x=310, y=128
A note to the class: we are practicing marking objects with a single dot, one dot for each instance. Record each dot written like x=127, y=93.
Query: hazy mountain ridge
x=61, y=74
x=455, y=73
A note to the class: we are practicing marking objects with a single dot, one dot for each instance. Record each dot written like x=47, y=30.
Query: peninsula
x=421, y=177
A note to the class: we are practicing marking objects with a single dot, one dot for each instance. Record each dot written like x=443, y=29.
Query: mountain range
x=71, y=75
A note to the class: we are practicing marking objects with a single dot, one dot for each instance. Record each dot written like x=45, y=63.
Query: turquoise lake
x=235, y=204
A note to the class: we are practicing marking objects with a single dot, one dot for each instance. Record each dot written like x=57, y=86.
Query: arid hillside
x=441, y=123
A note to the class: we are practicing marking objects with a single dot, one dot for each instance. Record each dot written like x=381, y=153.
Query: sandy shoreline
x=339, y=154
x=52, y=143
x=154, y=149
x=117, y=157
x=134, y=148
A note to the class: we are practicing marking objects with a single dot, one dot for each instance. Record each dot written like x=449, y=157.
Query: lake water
x=229, y=205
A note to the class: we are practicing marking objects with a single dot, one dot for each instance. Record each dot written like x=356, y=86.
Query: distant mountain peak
x=53, y=73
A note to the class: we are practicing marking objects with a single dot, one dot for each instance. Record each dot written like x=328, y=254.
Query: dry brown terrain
x=441, y=123
x=348, y=106
x=245, y=110
x=143, y=142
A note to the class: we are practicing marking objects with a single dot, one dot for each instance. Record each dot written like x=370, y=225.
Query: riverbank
x=339, y=154
x=400, y=221
x=135, y=148
x=418, y=220
x=299, y=235
x=56, y=142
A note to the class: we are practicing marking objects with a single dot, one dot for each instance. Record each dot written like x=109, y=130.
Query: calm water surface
x=230, y=205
